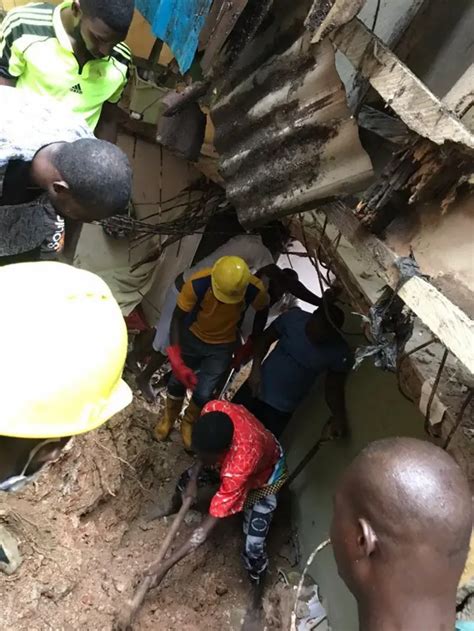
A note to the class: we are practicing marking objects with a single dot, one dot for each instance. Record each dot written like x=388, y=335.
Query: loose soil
x=85, y=538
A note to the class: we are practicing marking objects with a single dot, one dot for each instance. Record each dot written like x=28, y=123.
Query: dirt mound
x=83, y=534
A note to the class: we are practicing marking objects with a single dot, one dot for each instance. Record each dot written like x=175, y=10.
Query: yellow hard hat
x=63, y=348
x=230, y=279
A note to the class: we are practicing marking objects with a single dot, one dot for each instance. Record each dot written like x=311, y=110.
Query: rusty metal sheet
x=284, y=132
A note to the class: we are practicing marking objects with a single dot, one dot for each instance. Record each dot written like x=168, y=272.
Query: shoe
x=191, y=415
x=172, y=411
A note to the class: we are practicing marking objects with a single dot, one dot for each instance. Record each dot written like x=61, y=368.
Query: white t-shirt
x=248, y=246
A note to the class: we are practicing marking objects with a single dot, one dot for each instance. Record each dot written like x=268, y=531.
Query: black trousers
x=273, y=419
x=23, y=257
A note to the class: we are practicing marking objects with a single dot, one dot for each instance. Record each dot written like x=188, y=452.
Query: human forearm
x=181, y=370
x=107, y=130
x=263, y=344
x=7, y=82
x=198, y=537
x=72, y=235
x=259, y=323
x=176, y=326
x=298, y=290
x=107, y=127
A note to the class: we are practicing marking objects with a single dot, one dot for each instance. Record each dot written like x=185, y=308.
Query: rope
x=433, y=392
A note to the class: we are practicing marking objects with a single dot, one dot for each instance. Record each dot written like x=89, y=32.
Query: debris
x=183, y=131
x=72, y=533
x=221, y=589
x=237, y=617
x=391, y=326
x=193, y=518
x=10, y=557
x=299, y=590
x=154, y=575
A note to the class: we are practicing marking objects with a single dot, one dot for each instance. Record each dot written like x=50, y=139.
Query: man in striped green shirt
x=74, y=53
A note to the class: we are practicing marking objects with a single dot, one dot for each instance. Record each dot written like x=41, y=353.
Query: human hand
x=243, y=354
x=183, y=373
x=198, y=537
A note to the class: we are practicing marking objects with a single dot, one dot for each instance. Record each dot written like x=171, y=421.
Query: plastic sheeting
x=178, y=23
x=390, y=322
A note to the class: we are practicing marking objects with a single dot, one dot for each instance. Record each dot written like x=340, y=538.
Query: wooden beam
x=228, y=14
x=451, y=325
x=419, y=108
x=447, y=321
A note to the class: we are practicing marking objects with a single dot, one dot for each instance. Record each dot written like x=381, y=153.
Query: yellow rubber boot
x=172, y=411
x=189, y=418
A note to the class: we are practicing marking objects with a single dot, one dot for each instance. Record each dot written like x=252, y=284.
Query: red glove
x=183, y=373
x=243, y=354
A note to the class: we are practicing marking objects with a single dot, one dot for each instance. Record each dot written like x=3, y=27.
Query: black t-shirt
x=28, y=222
x=17, y=187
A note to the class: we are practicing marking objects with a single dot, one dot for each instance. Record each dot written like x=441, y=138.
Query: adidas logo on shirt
x=76, y=89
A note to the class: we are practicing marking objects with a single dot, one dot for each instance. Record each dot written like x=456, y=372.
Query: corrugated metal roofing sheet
x=284, y=132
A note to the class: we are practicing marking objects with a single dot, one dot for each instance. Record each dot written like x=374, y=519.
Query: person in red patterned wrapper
x=234, y=447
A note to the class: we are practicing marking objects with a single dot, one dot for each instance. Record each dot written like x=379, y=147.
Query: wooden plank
x=210, y=23
x=225, y=22
x=419, y=108
x=460, y=98
x=447, y=321
x=451, y=325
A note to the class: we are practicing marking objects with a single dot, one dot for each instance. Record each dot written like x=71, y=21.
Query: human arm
x=177, y=326
x=183, y=373
x=197, y=538
x=107, y=127
x=261, y=348
x=185, y=303
x=259, y=323
x=261, y=306
x=8, y=82
x=71, y=239
x=289, y=282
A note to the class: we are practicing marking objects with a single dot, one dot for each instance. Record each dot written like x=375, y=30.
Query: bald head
x=402, y=505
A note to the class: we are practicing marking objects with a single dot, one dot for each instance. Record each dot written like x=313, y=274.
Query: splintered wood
x=419, y=108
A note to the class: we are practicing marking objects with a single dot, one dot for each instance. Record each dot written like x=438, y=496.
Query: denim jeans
x=273, y=419
x=210, y=361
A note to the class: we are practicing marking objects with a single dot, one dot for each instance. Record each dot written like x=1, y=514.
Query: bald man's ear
x=366, y=539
